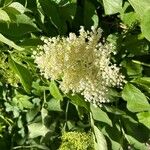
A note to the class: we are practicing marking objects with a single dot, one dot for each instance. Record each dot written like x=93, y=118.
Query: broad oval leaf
x=100, y=143
x=136, y=100
x=77, y=100
x=55, y=91
x=100, y=115
x=144, y=118
x=23, y=73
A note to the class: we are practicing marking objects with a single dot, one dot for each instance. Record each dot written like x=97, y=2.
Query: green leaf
x=90, y=16
x=38, y=89
x=12, y=12
x=143, y=82
x=95, y=20
x=100, y=143
x=50, y=8
x=31, y=114
x=22, y=101
x=53, y=105
x=44, y=113
x=77, y=100
x=23, y=73
x=112, y=6
x=67, y=12
x=55, y=91
x=144, y=117
x=113, y=95
x=129, y=18
x=31, y=42
x=18, y=7
x=21, y=25
x=14, y=109
x=114, y=110
x=145, y=24
x=140, y=6
x=100, y=115
x=135, y=46
x=135, y=143
x=37, y=129
x=136, y=100
x=135, y=129
x=115, y=136
x=7, y=2
x=26, y=103
x=10, y=43
x=4, y=16
x=132, y=68
x=115, y=145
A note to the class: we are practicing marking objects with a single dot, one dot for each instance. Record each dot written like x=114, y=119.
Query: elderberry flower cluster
x=81, y=64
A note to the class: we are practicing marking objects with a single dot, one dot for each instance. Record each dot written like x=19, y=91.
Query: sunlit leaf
x=112, y=6
x=144, y=117
x=22, y=101
x=23, y=73
x=135, y=143
x=140, y=6
x=100, y=143
x=53, y=105
x=37, y=129
x=55, y=91
x=100, y=115
x=136, y=100
x=145, y=24
x=18, y=7
x=9, y=42
x=4, y=16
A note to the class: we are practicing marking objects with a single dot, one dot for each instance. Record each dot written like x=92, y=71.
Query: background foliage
x=34, y=113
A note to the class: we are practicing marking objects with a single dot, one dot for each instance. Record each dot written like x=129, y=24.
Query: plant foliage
x=35, y=114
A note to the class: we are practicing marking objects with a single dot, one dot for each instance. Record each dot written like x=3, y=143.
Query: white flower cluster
x=81, y=63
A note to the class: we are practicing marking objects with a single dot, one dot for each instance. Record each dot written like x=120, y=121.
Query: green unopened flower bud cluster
x=77, y=141
x=81, y=64
x=6, y=74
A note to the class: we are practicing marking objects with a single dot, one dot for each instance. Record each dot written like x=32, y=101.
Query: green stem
x=66, y=114
x=27, y=147
x=141, y=63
